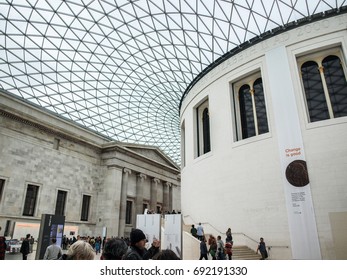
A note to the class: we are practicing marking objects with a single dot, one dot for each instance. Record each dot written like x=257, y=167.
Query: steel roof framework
x=120, y=68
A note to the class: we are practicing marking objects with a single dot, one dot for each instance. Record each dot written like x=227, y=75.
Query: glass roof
x=121, y=67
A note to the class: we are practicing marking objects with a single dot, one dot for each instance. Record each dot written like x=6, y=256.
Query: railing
x=240, y=238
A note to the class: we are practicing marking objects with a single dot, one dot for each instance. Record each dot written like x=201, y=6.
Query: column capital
x=114, y=166
x=141, y=176
x=156, y=180
x=127, y=170
x=168, y=184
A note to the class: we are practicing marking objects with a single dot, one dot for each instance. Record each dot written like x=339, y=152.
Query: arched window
x=260, y=107
x=203, y=129
x=246, y=112
x=250, y=114
x=206, y=131
x=325, y=86
x=336, y=84
x=314, y=91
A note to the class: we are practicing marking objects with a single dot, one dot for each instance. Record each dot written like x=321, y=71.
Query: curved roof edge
x=258, y=39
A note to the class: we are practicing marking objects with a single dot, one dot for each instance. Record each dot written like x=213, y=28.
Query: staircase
x=244, y=253
x=240, y=252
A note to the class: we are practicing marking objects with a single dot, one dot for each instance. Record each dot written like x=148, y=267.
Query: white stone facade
x=39, y=148
x=239, y=183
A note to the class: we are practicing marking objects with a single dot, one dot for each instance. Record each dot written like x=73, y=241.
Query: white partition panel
x=150, y=225
x=173, y=233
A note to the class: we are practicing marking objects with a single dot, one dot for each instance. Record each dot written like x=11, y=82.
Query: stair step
x=244, y=253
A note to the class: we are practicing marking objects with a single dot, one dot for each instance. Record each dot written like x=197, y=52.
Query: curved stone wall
x=250, y=183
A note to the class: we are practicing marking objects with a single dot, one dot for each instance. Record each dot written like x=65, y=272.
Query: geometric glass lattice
x=120, y=68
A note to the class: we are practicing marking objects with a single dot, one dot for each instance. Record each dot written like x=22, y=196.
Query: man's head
x=28, y=235
x=54, y=240
x=138, y=238
x=114, y=249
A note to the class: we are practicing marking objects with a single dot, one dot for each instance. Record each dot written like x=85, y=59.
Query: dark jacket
x=2, y=247
x=203, y=248
x=135, y=253
x=25, y=248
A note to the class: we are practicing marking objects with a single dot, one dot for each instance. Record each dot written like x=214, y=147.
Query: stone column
x=166, y=198
x=154, y=191
x=139, y=192
x=170, y=198
x=123, y=202
x=110, y=199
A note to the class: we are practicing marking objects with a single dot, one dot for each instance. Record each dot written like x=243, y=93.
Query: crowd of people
x=216, y=248
x=133, y=248
x=87, y=248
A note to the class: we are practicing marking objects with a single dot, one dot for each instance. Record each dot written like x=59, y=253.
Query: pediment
x=152, y=153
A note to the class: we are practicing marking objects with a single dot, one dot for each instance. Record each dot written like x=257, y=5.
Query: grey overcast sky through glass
x=121, y=67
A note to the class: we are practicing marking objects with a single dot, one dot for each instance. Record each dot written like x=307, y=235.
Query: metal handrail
x=237, y=233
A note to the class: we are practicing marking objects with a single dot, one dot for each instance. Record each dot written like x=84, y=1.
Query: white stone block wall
x=239, y=183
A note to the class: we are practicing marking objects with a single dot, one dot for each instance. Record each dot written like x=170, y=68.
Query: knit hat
x=136, y=235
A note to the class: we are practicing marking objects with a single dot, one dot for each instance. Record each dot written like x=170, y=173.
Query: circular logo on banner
x=296, y=173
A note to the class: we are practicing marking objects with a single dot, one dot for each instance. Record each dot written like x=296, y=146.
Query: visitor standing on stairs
x=203, y=249
x=229, y=244
x=262, y=249
x=229, y=237
x=228, y=250
x=220, y=249
x=193, y=231
x=213, y=246
x=200, y=232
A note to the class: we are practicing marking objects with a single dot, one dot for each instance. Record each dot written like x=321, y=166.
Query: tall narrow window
x=250, y=109
x=2, y=186
x=7, y=230
x=315, y=98
x=203, y=129
x=85, y=208
x=260, y=107
x=246, y=112
x=336, y=85
x=183, y=145
x=60, y=205
x=128, y=212
x=206, y=131
x=324, y=83
x=30, y=200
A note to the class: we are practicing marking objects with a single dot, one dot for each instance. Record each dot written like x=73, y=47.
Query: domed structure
x=264, y=142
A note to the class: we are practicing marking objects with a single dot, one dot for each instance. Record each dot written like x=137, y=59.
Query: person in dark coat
x=114, y=249
x=25, y=248
x=262, y=249
x=203, y=249
x=2, y=247
x=137, y=249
